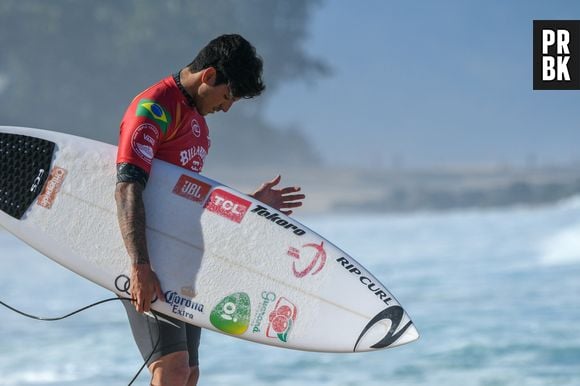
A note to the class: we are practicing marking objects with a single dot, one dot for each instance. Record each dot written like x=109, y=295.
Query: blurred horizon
x=420, y=106
x=415, y=86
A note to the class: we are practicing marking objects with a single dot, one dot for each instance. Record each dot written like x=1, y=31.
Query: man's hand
x=144, y=286
x=281, y=199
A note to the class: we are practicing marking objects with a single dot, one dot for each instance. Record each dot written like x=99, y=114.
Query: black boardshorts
x=172, y=339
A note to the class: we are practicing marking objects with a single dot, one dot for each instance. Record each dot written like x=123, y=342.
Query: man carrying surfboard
x=166, y=121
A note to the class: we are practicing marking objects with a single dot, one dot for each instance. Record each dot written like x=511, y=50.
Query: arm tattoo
x=131, y=218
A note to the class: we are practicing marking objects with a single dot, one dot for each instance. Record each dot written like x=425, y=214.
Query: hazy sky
x=431, y=83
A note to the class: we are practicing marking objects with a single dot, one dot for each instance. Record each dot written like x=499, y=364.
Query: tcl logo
x=227, y=205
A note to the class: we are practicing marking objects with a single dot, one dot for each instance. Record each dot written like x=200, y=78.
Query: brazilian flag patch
x=153, y=110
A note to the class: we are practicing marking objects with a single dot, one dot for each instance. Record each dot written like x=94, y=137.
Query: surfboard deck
x=226, y=261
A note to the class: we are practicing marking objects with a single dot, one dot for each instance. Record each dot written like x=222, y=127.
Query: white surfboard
x=225, y=261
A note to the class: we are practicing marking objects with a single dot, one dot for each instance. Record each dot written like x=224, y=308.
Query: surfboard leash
x=54, y=319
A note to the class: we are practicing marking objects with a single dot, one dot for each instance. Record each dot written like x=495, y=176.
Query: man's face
x=214, y=98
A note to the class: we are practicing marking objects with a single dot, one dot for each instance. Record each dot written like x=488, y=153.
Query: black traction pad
x=24, y=168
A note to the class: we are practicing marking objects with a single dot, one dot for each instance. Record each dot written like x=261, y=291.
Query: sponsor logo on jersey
x=144, y=140
x=281, y=320
x=191, y=188
x=307, y=258
x=194, y=155
x=154, y=111
x=52, y=187
x=195, y=128
x=227, y=205
x=232, y=314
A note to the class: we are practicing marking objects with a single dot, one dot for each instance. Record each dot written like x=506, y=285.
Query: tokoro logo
x=276, y=219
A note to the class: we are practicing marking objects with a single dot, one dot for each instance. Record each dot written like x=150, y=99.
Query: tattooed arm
x=131, y=217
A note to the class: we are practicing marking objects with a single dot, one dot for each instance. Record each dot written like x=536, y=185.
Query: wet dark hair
x=236, y=63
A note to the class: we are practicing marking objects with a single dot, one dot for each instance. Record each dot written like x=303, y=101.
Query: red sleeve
x=143, y=127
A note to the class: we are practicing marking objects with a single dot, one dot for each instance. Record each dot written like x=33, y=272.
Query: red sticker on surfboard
x=191, y=188
x=227, y=205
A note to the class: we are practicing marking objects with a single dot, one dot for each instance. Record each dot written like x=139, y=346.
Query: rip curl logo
x=313, y=254
x=154, y=111
x=395, y=315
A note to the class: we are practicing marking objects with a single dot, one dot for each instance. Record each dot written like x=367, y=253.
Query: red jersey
x=159, y=123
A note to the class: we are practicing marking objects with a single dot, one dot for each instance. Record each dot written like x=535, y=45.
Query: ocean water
x=495, y=295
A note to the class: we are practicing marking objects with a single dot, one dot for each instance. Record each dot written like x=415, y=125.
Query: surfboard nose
x=410, y=335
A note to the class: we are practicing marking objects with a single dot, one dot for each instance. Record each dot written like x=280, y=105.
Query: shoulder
x=157, y=104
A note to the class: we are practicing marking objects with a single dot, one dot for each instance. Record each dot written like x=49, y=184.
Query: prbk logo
x=192, y=189
x=227, y=205
x=556, y=54
x=306, y=259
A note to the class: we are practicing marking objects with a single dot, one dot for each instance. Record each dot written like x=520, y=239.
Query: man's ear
x=209, y=75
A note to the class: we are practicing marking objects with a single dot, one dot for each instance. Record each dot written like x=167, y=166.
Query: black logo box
x=573, y=28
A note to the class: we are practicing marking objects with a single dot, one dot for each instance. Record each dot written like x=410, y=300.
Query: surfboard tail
x=24, y=169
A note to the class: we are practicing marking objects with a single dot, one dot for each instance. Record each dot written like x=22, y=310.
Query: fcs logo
x=319, y=257
x=37, y=180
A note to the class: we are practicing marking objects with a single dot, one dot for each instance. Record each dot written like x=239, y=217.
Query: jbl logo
x=191, y=188
x=556, y=54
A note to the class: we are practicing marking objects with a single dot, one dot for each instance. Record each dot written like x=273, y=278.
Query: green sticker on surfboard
x=232, y=314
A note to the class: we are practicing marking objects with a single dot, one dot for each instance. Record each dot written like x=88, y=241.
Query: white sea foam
x=563, y=247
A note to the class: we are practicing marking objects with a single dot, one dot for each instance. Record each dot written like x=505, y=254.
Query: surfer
x=166, y=121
